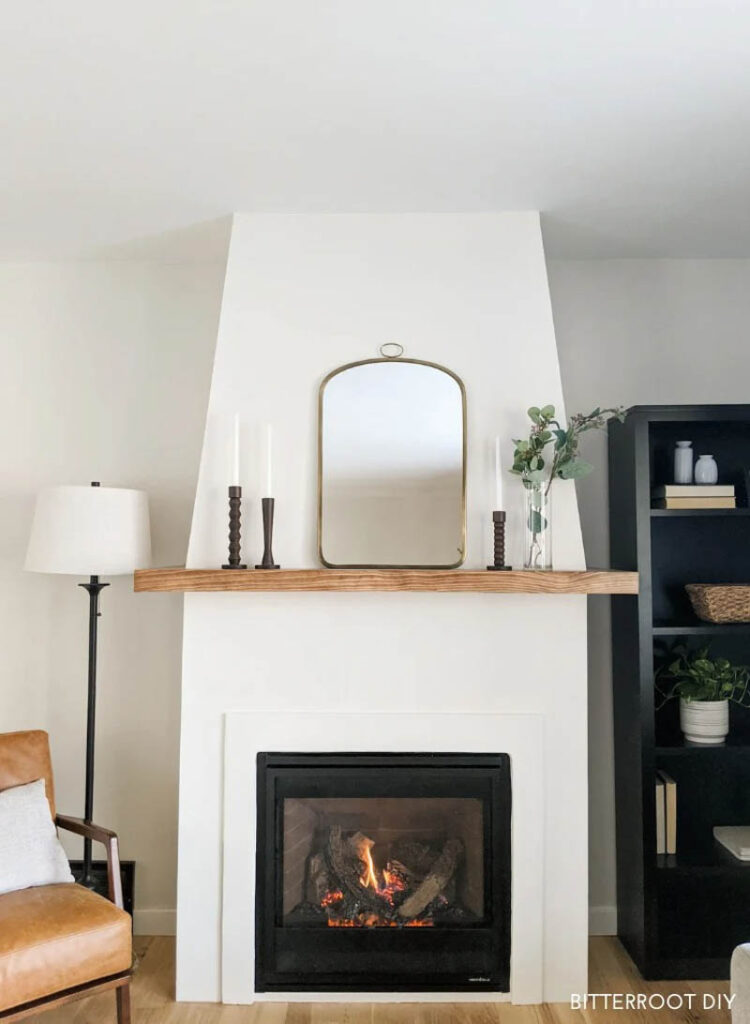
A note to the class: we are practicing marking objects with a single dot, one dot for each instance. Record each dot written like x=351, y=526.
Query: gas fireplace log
x=360, y=845
x=318, y=879
x=347, y=869
x=437, y=879
x=418, y=855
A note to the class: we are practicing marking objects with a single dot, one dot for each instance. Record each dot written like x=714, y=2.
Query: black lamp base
x=99, y=882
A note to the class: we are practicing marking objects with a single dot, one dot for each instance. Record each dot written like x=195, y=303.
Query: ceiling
x=626, y=123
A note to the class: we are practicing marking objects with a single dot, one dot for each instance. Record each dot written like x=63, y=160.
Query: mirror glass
x=391, y=472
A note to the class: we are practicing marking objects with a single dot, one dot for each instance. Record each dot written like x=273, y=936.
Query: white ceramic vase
x=704, y=721
x=683, y=462
x=706, y=470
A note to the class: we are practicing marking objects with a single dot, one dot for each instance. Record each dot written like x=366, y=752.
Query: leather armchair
x=59, y=942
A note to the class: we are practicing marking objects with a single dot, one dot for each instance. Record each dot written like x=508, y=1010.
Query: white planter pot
x=704, y=721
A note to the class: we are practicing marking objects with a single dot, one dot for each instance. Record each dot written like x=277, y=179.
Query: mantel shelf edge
x=515, y=581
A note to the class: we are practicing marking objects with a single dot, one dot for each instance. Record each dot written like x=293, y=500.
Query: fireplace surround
x=250, y=733
x=383, y=872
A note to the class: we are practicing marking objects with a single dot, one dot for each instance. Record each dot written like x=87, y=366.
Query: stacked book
x=666, y=813
x=694, y=496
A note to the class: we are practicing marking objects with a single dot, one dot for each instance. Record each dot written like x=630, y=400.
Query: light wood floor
x=611, y=970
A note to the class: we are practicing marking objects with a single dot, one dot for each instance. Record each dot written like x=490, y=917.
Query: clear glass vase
x=537, y=553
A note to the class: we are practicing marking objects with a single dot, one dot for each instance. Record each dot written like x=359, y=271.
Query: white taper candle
x=236, y=452
x=269, y=462
x=498, y=477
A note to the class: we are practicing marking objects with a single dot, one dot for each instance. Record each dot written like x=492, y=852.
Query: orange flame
x=369, y=878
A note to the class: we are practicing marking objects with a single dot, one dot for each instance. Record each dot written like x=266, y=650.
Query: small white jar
x=706, y=470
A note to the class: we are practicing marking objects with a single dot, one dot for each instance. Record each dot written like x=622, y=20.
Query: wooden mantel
x=515, y=581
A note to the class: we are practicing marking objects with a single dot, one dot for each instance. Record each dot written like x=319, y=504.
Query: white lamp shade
x=90, y=531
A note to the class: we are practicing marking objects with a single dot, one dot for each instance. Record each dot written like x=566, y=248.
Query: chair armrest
x=109, y=839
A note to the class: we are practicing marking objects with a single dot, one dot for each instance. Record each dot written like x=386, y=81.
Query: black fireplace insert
x=383, y=872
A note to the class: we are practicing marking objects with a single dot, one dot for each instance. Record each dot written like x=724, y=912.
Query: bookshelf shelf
x=668, y=906
x=698, y=628
x=699, y=513
x=713, y=863
x=740, y=747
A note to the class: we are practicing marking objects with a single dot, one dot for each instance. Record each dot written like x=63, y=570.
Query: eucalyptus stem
x=530, y=456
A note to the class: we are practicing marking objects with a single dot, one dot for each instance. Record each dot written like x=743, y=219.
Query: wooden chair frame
x=119, y=982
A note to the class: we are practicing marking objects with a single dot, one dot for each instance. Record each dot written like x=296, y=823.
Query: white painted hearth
x=304, y=294
x=247, y=733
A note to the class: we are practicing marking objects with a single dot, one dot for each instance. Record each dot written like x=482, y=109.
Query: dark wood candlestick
x=235, y=514
x=498, y=525
x=267, y=505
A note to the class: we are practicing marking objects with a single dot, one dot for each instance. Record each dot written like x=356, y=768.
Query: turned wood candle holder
x=267, y=504
x=498, y=526
x=235, y=515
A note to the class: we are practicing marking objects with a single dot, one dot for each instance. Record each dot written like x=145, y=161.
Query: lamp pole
x=94, y=588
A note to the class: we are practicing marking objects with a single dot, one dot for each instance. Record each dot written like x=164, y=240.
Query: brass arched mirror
x=392, y=466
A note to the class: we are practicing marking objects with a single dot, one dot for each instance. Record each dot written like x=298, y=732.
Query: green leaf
x=535, y=476
x=548, y=412
x=574, y=469
x=562, y=439
x=537, y=522
x=534, y=413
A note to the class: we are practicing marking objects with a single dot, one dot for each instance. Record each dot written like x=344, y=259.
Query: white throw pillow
x=30, y=852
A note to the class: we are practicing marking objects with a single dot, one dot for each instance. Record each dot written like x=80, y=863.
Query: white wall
x=105, y=373
x=638, y=332
x=105, y=376
x=304, y=294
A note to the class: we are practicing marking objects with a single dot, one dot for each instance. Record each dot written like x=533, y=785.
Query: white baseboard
x=155, y=922
x=602, y=920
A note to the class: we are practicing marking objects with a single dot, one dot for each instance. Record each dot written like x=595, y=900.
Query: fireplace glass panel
x=383, y=862
x=383, y=872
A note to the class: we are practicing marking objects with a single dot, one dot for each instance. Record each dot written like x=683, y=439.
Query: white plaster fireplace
x=469, y=672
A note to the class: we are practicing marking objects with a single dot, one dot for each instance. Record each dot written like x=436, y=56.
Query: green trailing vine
x=694, y=676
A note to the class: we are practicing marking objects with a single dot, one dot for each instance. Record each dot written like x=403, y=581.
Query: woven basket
x=720, y=602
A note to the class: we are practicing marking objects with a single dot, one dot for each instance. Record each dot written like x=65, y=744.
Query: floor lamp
x=90, y=531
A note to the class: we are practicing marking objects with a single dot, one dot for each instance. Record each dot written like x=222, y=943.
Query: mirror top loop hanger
x=389, y=345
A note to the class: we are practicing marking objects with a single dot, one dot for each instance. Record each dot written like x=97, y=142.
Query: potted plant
x=705, y=686
x=538, y=468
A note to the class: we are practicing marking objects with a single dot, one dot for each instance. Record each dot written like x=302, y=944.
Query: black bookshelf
x=678, y=916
